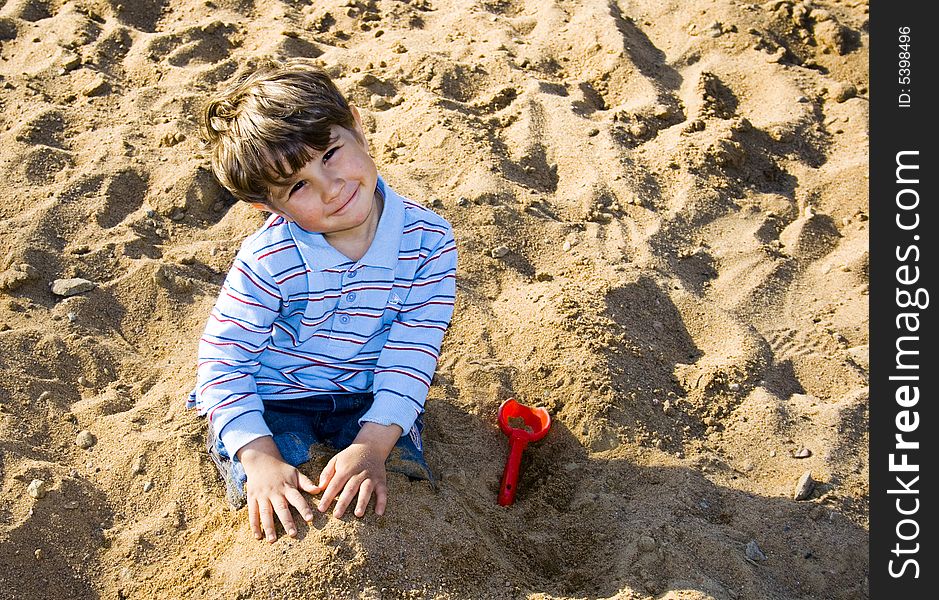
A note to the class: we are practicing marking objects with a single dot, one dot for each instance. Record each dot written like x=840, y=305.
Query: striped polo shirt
x=297, y=318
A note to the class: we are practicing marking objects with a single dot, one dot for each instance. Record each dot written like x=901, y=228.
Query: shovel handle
x=510, y=475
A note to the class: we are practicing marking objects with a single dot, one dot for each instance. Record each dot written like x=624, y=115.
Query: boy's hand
x=272, y=486
x=359, y=469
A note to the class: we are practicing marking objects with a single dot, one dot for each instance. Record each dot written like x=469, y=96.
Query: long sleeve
x=408, y=359
x=238, y=330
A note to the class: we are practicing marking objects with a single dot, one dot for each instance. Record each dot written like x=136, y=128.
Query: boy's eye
x=329, y=153
x=296, y=187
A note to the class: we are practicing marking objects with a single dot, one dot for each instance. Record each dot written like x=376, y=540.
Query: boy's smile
x=335, y=192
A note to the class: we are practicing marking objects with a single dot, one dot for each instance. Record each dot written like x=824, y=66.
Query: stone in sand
x=753, y=551
x=85, y=439
x=842, y=91
x=37, y=488
x=97, y=87
x=646, y=544
x=804, y=486
x=499, y=251
x=70, y=287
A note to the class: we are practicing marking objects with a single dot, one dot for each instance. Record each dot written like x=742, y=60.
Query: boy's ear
x=358, y=125
x=269, y=209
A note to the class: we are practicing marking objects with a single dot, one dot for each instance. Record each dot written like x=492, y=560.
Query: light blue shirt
x=297, y=318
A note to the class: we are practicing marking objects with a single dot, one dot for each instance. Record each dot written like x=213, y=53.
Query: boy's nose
x=334, y=189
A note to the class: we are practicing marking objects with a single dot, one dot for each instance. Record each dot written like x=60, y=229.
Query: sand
x=661, y=213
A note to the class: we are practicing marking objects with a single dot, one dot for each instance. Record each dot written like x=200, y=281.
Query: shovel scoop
x=522, y=424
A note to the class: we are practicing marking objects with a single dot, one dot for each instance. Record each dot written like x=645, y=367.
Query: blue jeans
x=298, y=426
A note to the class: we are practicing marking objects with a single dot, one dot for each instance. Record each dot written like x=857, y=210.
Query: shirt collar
x=383, y=252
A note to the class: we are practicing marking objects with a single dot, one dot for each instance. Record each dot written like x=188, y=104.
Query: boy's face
x=334, y=193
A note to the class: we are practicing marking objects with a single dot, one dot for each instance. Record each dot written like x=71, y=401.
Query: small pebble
x=96, y=87
x=734, y=387
x=147, y=486
x=715, y=29
x=71, y=317
x=499, y=251
x=753, y=551
x=38, y=554
x=776, y=56
x=378, y=101
x=85, y=439
x=44, y=396
x=646, y=544
x=542, y=276
x=593, y=132
x=663, y=111
x=638, y=129
x=138, y=466
x=566, y=247
x=802, y=453
x=462, y=201
x=71, y=62
x=843, y=91
x=70, y=287
x=804, y=486
x=696, y=125
x=37, y=488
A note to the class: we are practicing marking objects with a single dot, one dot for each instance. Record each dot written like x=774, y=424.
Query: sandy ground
x=676, y=194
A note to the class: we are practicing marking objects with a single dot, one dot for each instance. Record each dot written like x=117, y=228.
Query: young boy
x=329, y=323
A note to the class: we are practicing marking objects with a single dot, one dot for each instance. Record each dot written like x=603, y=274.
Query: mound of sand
x=680, y=190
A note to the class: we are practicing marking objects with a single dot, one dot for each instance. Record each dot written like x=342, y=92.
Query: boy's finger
x=295, y=498
x=329, y=494
x=267, y=519
x=327, y=474
x=347, y=495
x=381, y=499
x=365, y=494
x=283, y=513
x=253, y=520
x=306, y=484
x=332, y=490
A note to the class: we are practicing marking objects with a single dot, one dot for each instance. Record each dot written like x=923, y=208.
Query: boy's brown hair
x=269, y=122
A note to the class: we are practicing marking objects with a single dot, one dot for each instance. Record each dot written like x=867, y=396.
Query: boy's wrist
x=378, y=436
x=258, y=450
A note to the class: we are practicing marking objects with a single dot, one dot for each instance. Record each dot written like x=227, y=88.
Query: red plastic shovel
x=523, y=425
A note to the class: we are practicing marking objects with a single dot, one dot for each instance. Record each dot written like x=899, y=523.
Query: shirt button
x=351, y=297
x=351, y=274
x=344, y=319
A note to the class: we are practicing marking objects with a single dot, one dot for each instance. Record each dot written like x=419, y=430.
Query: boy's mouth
x=345, y=204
